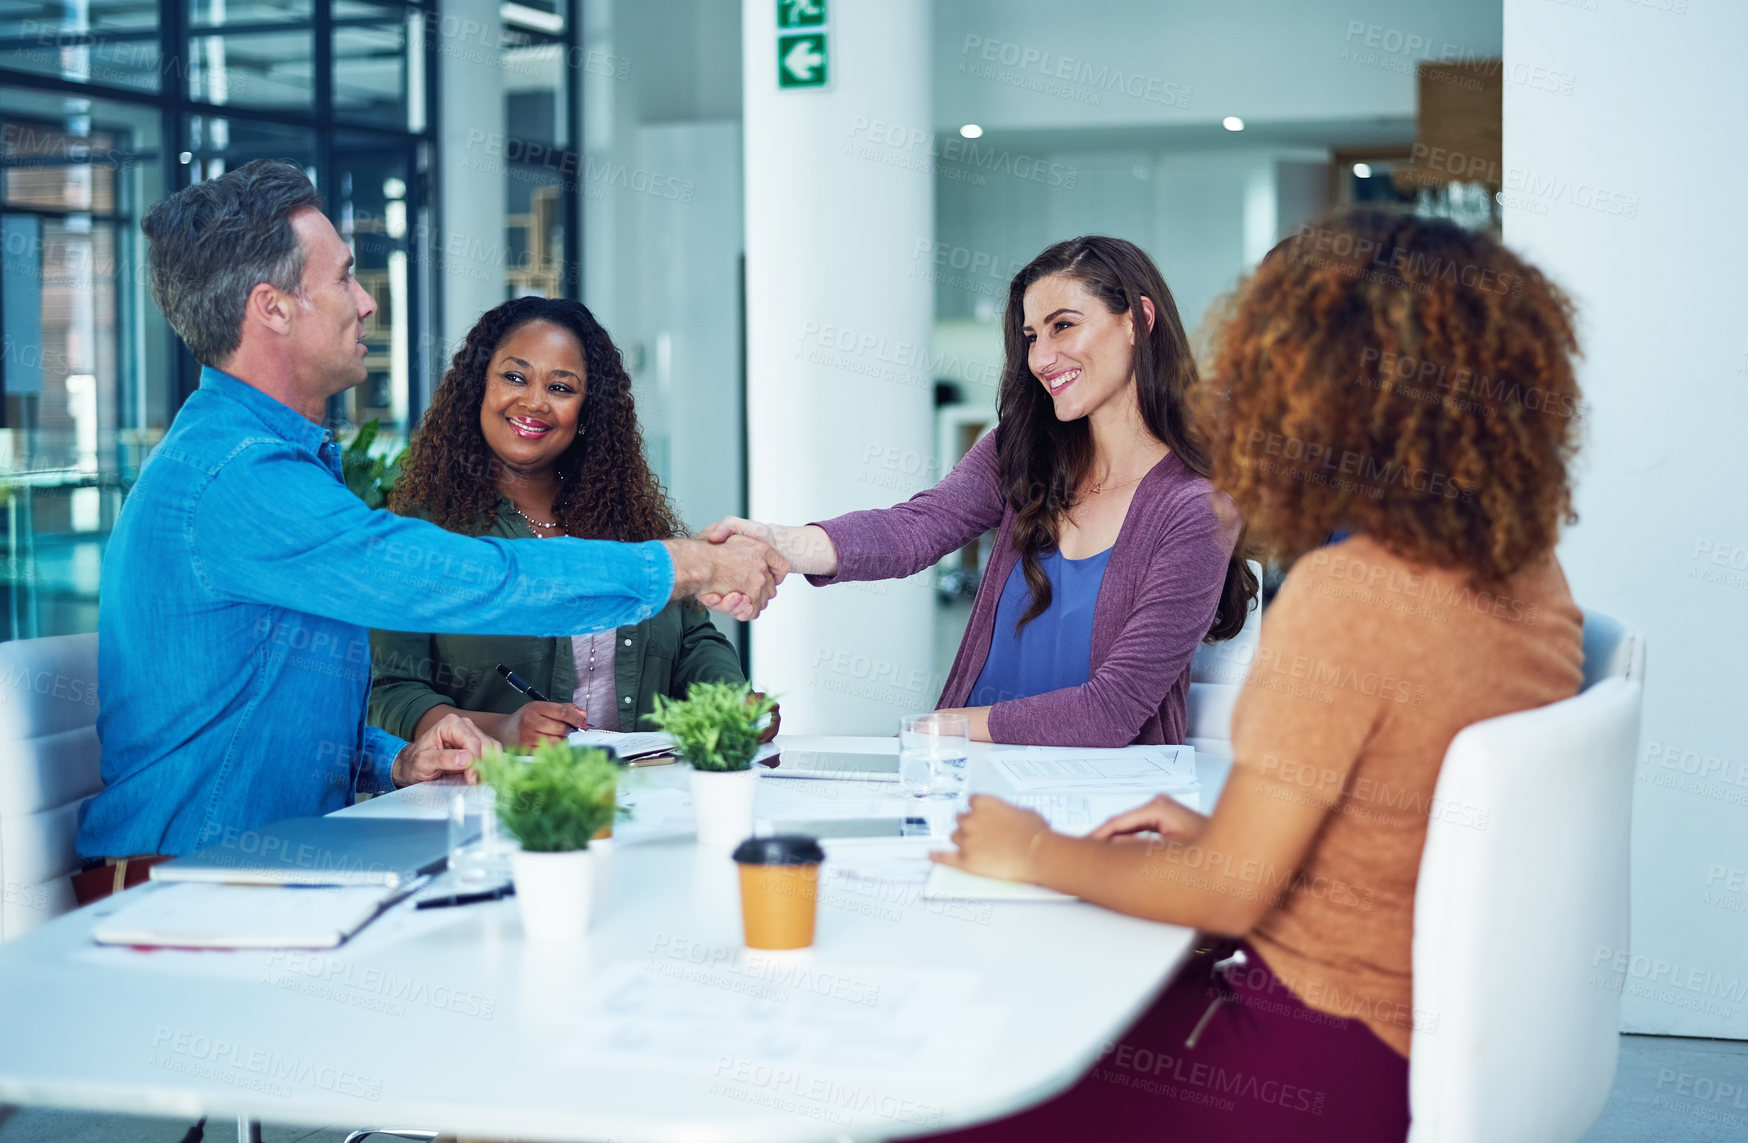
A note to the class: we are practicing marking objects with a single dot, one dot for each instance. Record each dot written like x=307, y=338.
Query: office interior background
x=807, y=282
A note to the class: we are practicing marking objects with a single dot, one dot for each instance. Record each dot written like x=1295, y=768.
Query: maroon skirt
x=1227, y=1052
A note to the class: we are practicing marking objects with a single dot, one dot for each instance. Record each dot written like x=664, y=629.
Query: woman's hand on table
x=995, y=839
x=447, y=748
x=1163, y=815
x=538, y=722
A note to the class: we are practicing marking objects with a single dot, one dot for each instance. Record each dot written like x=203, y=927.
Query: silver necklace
x=533, y=524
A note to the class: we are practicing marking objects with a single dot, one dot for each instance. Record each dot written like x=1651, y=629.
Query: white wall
x=1628, y=192
x=1193, y=61
x=689, y=392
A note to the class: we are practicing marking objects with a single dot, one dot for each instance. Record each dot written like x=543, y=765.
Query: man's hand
x=447, y=748
x=539, y=722
x=1164, y=815
x=995, y=839
x=738, y=576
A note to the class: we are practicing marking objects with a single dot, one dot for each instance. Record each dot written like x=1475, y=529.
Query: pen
x=521, y=684
x=497, y=894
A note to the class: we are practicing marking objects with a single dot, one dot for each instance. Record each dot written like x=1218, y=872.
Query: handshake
x=735, y=565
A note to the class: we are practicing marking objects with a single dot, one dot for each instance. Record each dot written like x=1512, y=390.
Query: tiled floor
x=1668, y=1090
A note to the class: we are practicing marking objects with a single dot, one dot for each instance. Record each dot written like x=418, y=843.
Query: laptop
x=843, y=765
x=386, y=852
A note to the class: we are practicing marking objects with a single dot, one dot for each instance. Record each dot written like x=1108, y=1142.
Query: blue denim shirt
x=238, y=590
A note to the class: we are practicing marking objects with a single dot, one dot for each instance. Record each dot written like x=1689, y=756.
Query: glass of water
x=477, y=854
x=933, y=753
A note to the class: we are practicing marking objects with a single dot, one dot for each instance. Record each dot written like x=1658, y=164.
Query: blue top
x=238, y=590
x=1053, y=651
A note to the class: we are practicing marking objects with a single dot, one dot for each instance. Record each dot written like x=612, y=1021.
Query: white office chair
x=1518, y=1031
x=1217, y=679
x=48, y=768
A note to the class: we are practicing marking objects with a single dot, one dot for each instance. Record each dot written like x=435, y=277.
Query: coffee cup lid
x=779, y=849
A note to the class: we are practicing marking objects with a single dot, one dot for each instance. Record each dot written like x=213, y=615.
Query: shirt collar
x=282, y=420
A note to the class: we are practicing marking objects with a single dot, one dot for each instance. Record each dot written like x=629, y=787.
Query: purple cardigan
x=1156, y=603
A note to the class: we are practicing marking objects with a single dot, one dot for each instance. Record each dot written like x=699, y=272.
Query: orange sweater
x=1368, y=667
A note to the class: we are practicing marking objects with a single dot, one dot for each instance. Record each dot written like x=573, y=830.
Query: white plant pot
x=601, y=858
x=722, y=802
x=553, y=893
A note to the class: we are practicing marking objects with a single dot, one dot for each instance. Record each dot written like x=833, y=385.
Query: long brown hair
x=1401, y=377
x=1043, y=460
x=607, y=491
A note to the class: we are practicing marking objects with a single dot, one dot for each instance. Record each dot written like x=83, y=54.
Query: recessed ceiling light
x=971, y=131
x=1232, y=123
x=1362, y=170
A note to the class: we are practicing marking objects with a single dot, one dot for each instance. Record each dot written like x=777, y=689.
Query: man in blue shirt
x=242, y=577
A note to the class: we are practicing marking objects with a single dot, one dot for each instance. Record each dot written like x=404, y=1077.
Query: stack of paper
x=1075, y=789
x=1131, y=769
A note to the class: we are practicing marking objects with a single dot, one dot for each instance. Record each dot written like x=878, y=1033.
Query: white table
x=446, y=1019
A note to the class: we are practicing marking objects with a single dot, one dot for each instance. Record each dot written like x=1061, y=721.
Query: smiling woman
x=1114, y=557
x=533, y=435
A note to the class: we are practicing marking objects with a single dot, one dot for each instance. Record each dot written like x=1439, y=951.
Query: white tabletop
x=907, y=1015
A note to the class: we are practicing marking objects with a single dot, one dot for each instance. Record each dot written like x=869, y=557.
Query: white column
x=839, y=192
x=468, y=249
x=1621, y=192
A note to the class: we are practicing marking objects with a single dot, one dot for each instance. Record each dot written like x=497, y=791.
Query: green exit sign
x=801, y=60
x=800, y=13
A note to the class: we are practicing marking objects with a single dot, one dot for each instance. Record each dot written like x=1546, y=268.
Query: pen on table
x=521, y=684
x=497, y=894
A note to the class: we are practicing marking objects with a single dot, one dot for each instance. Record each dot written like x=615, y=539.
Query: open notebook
x=204, y=915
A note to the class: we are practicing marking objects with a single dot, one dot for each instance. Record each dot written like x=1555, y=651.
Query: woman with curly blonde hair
x=1408, y=385
x=533, y=435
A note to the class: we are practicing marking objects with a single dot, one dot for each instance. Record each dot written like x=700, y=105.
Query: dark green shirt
x=664, y=655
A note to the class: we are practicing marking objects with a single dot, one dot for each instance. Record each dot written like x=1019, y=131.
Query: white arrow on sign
x=802, y=59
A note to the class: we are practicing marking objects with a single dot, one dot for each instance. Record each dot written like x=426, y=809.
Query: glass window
x=542, y=167
x=536, y=94
x=372, y=207
x=252, y=69
x=90, y=373
x=109, y=42
x=84, y=374
x=218, y=143
x=376, y=78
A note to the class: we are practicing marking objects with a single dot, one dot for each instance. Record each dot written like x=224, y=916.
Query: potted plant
x=371, y=478
x=716, y=731
x=554, y=801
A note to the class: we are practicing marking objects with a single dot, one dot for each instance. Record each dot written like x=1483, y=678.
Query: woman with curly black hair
x=533, y=435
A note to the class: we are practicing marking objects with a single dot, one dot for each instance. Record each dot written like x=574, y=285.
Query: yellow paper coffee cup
x=779, y=890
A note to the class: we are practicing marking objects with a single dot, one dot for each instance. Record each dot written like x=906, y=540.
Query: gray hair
x=211, y=244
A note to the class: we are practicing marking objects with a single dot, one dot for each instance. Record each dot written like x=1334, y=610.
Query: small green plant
x=371, y=478
x=716, y=726
x=555, y=800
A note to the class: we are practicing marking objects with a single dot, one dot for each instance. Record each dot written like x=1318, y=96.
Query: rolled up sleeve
x=315, y=547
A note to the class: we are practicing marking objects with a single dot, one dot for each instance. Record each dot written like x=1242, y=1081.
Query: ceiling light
x=971, y=131
x=1362, y=170
x=1232, y=123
